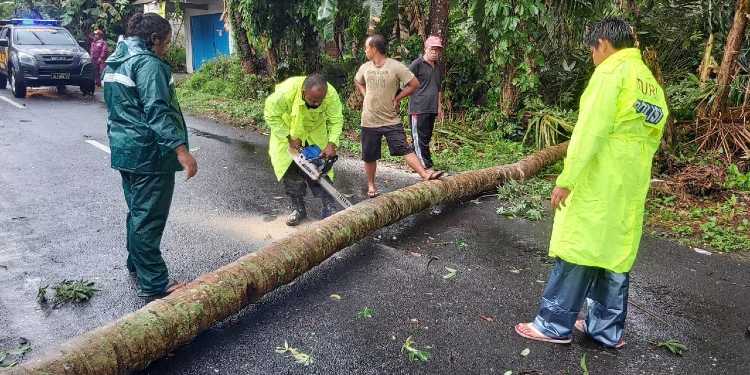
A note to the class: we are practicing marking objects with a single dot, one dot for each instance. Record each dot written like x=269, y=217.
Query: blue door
x=209, y=39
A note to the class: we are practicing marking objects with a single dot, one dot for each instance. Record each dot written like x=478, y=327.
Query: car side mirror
x=3, y=42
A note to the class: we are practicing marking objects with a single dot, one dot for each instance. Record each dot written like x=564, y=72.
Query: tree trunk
x=164, y=325
x=731, y=49
x=244, y=50
x=272, y=58
x=706, y=62
x=509, y=99
x=311, y=47
x=439, y=10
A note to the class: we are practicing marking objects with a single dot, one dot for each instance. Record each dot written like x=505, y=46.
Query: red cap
x=433, y=41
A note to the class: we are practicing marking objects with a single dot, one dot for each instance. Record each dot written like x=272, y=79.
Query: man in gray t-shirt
x=380, y=80
x=424, y=104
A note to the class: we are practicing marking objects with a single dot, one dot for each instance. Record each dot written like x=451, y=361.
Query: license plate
x=60, y=75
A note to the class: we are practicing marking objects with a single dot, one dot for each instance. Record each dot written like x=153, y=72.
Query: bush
x=176, y=57
x=225, y=77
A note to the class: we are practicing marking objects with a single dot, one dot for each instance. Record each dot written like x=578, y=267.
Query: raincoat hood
x=127, y=49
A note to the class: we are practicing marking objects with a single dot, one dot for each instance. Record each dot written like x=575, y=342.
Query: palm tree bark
x=731, y=49
x=137, y=339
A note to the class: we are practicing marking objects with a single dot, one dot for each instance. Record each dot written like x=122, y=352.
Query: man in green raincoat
x=600, y=196
x=303, y=111
x=148, y=139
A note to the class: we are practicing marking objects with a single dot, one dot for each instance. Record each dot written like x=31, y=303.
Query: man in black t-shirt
x=424, y=104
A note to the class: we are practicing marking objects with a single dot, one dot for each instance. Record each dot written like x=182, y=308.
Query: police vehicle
x=36, y=52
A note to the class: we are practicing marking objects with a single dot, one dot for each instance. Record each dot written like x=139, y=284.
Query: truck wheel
x=3, y=82
x=17, y=87
x=88, y=88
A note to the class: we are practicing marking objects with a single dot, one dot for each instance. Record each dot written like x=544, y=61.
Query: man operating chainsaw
x=303, y=112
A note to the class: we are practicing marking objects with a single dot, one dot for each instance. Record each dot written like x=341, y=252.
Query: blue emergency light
x=32, y=22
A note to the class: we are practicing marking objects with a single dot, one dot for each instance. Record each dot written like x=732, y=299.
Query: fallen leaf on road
x=487, y=318
x=336, y=297
x=701, y=251
x=525, y=352
x=515, y=271
x=451, y=273
x=415, y=254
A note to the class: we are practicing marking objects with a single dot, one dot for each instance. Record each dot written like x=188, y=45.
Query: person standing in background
x=424, y=104
x=99, y=53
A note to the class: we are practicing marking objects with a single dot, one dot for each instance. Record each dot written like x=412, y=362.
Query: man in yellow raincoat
x=600, y=196
x=303, y=111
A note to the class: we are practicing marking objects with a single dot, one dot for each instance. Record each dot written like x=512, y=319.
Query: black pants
x=422, y=125
x=296, y=183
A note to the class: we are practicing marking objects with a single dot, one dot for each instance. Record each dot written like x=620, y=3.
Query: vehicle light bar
x=30, y=22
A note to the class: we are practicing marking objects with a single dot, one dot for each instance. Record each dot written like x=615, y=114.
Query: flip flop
x=581, y=327
x=373, y=194
x=528, y=331
x=435, y=175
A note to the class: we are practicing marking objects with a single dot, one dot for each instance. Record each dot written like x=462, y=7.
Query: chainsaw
x=310, y=160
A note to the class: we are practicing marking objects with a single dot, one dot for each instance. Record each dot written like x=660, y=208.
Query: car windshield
x=44, y=37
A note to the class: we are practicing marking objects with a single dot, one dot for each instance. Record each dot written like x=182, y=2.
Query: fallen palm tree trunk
x=137, y=339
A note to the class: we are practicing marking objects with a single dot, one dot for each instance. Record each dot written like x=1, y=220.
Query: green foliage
x=80, y=17
x=725, y=239
x=299, y=356
x=547, y=126
x=672, y=345
x=584, y=365
x=176, y=57
x=736, y=179
x=413, y=353
x=365, y=313
x=75, y=291
x=512, y=25
x=524, y=199
x=685, y=95
x=224, y=77
x=12, y=357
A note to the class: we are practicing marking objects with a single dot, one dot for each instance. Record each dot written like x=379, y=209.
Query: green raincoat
x=286, y=115
x=145, y=123
x=608, y=165
x=145, y=126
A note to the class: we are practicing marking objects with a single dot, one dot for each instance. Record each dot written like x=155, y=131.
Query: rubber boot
x=298, y=212
x=329, y=206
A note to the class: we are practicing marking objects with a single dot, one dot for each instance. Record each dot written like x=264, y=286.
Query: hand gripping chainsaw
x=310, y=160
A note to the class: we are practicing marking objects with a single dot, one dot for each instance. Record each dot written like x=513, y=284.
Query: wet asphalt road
x=62, y=217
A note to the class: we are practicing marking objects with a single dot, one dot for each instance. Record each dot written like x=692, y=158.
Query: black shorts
x=394, y=135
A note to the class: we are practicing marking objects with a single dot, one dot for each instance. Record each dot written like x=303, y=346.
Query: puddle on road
x=245, y=145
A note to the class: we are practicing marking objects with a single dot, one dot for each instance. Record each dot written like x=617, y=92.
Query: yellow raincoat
x=286, y=114
x=608, y=165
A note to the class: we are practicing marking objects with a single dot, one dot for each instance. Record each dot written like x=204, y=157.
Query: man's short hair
x=377, y=41
x=614, y=29
x=315, y=81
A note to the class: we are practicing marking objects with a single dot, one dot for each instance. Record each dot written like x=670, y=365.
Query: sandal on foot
x=581, y=327
x=527, y=330
x=373, y=194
